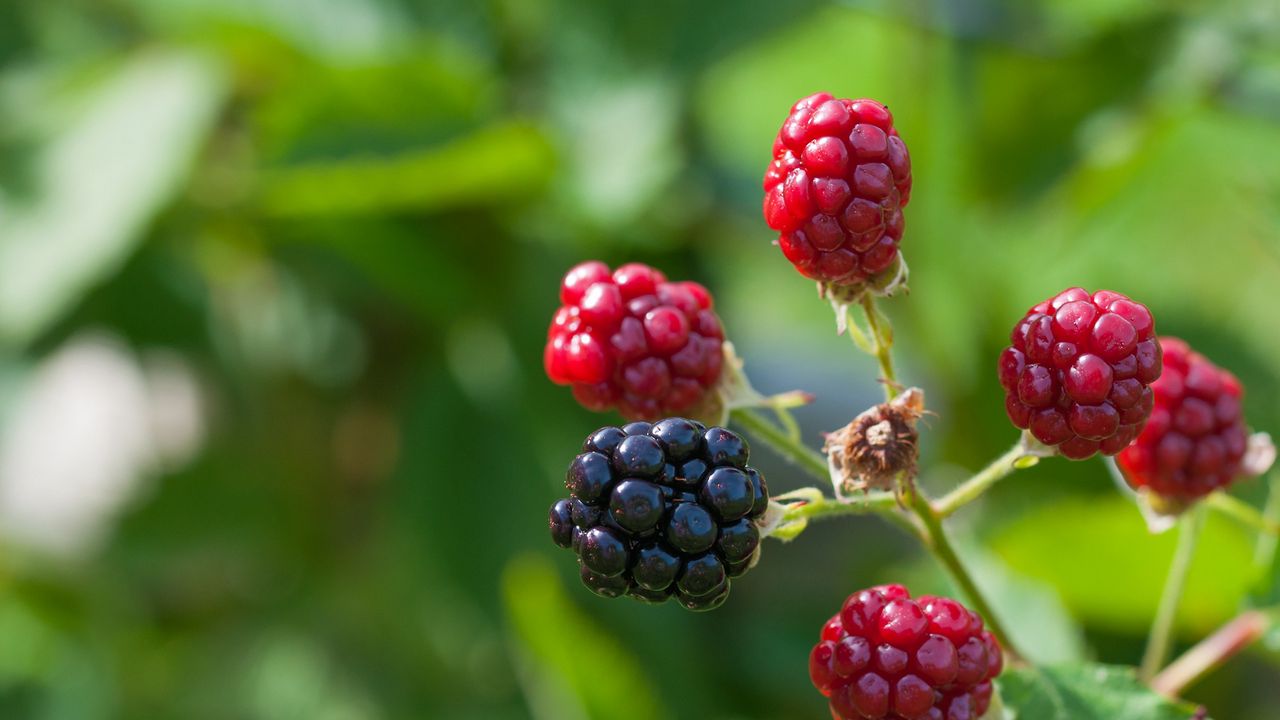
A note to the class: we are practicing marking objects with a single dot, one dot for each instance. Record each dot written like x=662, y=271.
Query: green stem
x=1211, y=653
x=808, y=459
x=1264, y=552
x=1244, y=512
x=874, y=502
x=883, y=337
x=935, y=537
x=1162, y=628
x=971, y=489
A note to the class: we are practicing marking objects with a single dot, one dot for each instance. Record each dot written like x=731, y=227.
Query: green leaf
x=1039, y=623
x=1087, y=548
x=120, y=156
x=561, y=652
x=490, y=166
x=1085, y=691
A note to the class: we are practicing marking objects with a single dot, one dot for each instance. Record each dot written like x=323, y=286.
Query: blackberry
x=886, y=655
x=561, y=523
x=662, y=510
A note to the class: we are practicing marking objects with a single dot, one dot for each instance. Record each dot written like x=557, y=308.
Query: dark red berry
x=888, y=656
x=725, y=448
x=835, y=189
x=737, y=541
x=1079, y=371
x=727, y=492
x=1196, y=439
x=633, y=341
x=661, y=510
x=603, y=551
x=636, y=505
x=691, y=528
x=602, y=585
x=650, y=597
x=701, y=575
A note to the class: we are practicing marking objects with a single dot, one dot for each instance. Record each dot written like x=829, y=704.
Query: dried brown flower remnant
x=870, y=452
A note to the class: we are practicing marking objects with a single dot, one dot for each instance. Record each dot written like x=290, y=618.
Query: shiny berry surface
x=1196, y=439
x=887, y=655
x=835, y=189
x=629, y=339
x=1079, y=371
x=662, y=510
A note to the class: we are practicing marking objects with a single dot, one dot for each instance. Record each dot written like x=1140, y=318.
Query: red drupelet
x=632, y=340
x=885, y=655
x=835, y=190
x=1079, y=372
x=1196, y=439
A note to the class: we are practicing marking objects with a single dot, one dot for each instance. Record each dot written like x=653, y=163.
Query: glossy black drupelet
x=661, y=510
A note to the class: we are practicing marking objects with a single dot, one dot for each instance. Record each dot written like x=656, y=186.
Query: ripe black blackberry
x=661, y=510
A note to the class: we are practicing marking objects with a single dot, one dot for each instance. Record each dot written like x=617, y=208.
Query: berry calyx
x=631, y=340
x=660, y=510
x=1078, y=375
x=835, y=189
x=1196, y=439
x=886, y=655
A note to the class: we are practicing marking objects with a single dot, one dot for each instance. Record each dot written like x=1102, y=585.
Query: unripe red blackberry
x=885, y=655
x=1078, y=375
x=1196, y=439
x=662, y=510
x=835, y=190
x=632, y=340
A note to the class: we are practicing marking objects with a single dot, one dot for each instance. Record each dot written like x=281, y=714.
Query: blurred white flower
x=89, y=426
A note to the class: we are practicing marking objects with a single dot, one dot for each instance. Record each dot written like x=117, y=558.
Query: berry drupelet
x=835, y=190
x=661, y=510
x=1078, y=375
x=1196, y=439
x=632, y=340
x=885, y=655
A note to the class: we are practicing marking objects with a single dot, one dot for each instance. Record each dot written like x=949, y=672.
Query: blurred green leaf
x=1266, y=585
x=120, y=157
x=292, y=678
x=1039, y=623
x=338, y=28
x=563, y=645
x=744, y=99
x=1109, y=570
x=1084, y=692
x=487, y=167
x=30, y=645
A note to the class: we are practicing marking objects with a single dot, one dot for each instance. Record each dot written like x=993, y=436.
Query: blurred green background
x=275, y=440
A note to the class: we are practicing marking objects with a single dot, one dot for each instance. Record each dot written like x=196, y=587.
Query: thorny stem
x=882, y=335
x=1158, y=643
x=809, y=460
x=1211, y=653
x=935, y=537
x=929, y=526
x=971, y=489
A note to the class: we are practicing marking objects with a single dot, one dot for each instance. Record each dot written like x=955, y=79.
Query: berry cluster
x=1196, y=438
x=835, y=190
x=887, y=656
x=1079, y=372
x=662, y=509
x=630, y=339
